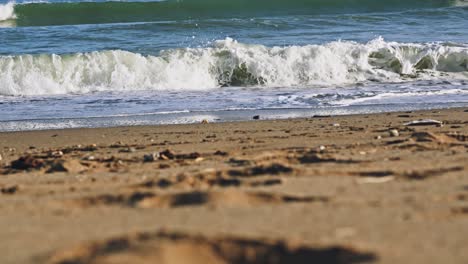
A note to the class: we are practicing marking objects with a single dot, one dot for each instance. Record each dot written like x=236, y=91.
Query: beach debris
x=424, y=122
x=92, y=147
x=151, y=157
x=458, y=136
x=118, y=144
x=220, y=153
x=1, y=158
x=256, y=117
x=171, y=155
x=193, y=156
x=128, y=150
x=239, y=162
x=394, y=133
x=432, y=137
x=9, y=190
x=167, y=154
x=89, y=158
x=378, y=137
x=335, y=124
x=204, y=121
x=55, y=154
x=27, y=162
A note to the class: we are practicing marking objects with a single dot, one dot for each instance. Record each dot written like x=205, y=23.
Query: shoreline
x=366, y=187
x=220, y=116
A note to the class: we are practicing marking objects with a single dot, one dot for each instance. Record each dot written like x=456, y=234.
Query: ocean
x=67, y=64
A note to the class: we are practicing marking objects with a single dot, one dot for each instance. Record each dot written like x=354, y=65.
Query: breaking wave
x=67, y=13
x=7, y=11
x=230, y=63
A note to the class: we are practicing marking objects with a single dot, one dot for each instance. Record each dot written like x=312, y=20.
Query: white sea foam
x=229, y=63
x=7, y=11
x=461, y=3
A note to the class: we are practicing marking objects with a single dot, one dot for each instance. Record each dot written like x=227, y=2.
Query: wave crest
x=230, y=63
x=66, y=13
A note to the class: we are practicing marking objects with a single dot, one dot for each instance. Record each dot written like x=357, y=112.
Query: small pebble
x=56, y=154
x=128, y=150
x=150, y=157
x=89, y=158
x=394, y=133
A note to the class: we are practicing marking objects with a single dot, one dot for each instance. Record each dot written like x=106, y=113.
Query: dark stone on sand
x=193, y=155
x=92, y=147
x=167, y=154
x=27, y=162
x=377, y=174
x=220, y=153
x=274, y=169
x=150, y=157
x=9, y=190
x=256, y=117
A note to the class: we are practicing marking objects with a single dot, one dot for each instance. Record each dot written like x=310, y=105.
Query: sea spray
x=7, y=11
x=230, y=63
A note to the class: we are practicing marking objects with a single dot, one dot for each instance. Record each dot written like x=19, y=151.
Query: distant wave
x=229, y=63
x=68, y=13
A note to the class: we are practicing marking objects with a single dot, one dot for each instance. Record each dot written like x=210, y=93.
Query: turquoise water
x=101, y=63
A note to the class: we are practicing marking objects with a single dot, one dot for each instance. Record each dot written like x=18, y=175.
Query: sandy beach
x=326, y=189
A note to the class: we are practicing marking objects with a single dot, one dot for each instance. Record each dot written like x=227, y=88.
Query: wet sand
x=344, y=189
